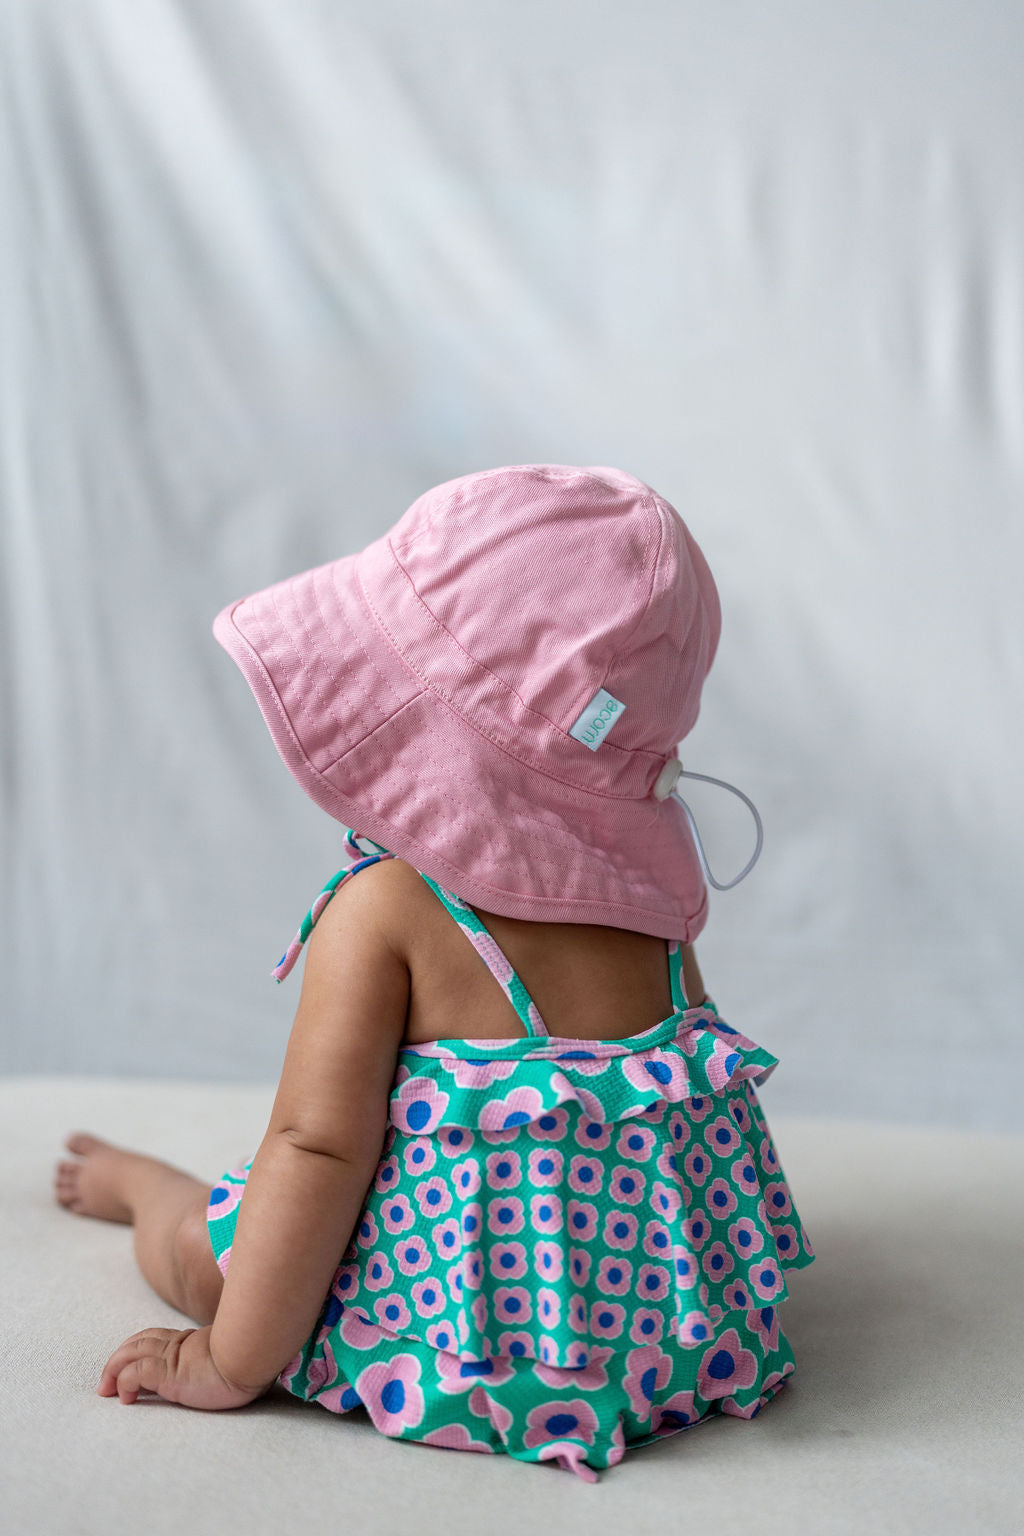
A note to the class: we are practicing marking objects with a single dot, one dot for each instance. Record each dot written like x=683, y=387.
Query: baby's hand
x=176, y=1365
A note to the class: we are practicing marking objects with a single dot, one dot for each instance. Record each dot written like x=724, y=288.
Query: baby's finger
x=149, y=1342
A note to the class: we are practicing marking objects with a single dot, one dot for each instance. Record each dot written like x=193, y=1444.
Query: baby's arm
x=309, y=1178
x=308, y=1181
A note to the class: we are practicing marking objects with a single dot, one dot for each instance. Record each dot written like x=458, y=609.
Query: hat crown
x=560, y=580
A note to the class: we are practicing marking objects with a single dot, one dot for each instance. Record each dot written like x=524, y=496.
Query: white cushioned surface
x=904, y=1414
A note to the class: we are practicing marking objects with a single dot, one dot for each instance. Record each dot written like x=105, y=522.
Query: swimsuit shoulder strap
x=292, y=953
x=493, y=956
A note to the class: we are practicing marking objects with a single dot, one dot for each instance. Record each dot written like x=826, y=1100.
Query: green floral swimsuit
x=569, y=1247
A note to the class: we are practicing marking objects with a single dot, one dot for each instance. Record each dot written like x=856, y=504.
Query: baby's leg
x=166, y=1207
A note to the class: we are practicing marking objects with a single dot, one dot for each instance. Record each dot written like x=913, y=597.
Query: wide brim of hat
x=380, y=751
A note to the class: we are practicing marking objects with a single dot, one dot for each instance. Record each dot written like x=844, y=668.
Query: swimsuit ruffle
x=495, y=1087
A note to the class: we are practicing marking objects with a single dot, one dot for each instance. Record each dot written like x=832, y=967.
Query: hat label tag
x=597, y=719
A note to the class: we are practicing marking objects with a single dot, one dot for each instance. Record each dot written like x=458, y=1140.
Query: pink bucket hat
x=494, y=691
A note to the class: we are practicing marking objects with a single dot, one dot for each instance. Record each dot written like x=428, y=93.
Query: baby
x=529, y=1206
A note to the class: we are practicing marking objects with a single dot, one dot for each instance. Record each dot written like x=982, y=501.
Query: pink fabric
x=424, y=688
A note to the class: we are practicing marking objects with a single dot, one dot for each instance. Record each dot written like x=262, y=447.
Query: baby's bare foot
x=93, y=1187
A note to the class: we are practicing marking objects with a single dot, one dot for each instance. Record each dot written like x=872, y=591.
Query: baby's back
x=589, y=982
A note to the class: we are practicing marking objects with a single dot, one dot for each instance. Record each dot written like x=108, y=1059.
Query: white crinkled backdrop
x=268, y=272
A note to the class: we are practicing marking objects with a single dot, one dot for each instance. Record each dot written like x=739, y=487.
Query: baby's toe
x=82, y=1143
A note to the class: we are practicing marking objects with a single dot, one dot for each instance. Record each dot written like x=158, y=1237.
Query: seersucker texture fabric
x=569, y=1247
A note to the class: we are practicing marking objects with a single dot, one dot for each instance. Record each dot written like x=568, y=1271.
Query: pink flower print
x=666, y=1199
x=433, y=1196
x=465, y=1177
x=392, y=1394
x=657, y=1240
x=223, y=1260
x=737, y=1296
x=546, y=1213
x=685, y=1265
x=806, y=1244
x=647, y=1326
x=554, y=1421
x=419, y=1155
x=472, y=1270
x=412, y=1254
x=579, y=1265
x=721, y=1201
x=614, y=1276
x=386, y=1177
x=346, y=1282
x=721, y=1136
x=501, y=1138
x=764, y=1322
x=675, y=1413
x=652, y=1282
x=456, y=1437
x=678, y=1129
x=699, y=1107
x=726, y=1367
x=627, y=1185
x=658, y=1069
x=766, y=1279
x=392, y=1313
x=474, y=1073
x=454, y=1140
x=519, y=1107
x=545, y=1165
x=379, y=1274
x=769, y=1161
x=547, y=1260
x=786, y=1245
x=715, y=1313
x=480, y=1314
x=578, y=1314
x=594, y=1135
x=721, y=1064
x=549, y=1312
x=418, y=1106
x=696, y=1229
x=291, y=1370
x=648, y=1370
x=440, y=1335
x=504, y=1170
x=367, y=1231
x=551, y=1126
x=586, y=1175
x=517, y=1344
x=584, y=1371
x=607, y=1320
x=620, y=1229
x=398, y=1214
x=447, y=1238
x=453, y=1279
x=485, y=1407
x=428, y=1298
x=718, y=1262
x=570, y=1457
x=224, y=1198
x=505, y=1214
x=732, y=1407
x=777, y=1201
x=357, y=1332
x=508, y=1261
x=744, y=1176
x=635, y=1141
x=693, y=1328
x=322, y=1371
x=669, y=1163
x=741, y=1115
x=589, y=1103
x=697, y=1164
x=512, y=1304
x=581, y=1219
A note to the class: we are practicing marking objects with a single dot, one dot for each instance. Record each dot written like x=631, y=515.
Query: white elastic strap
x=685, y=773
